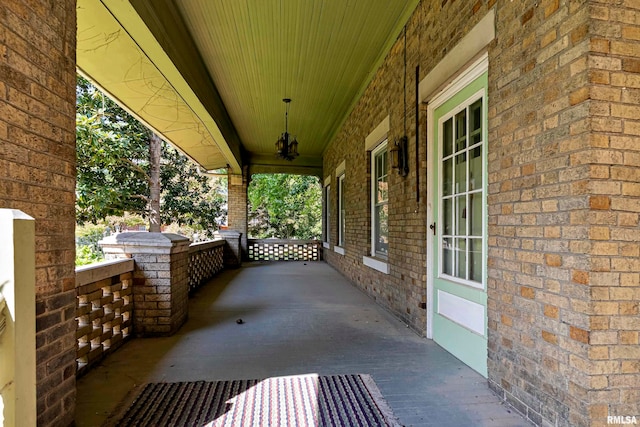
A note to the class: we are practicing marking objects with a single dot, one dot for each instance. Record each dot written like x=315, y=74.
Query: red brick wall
x=37, y=176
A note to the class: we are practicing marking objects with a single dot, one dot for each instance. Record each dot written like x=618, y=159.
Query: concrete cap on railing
x=228, y=234
x=102, y=270
x=144, y=242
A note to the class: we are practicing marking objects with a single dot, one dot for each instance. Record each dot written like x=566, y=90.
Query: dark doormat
x=302, y=400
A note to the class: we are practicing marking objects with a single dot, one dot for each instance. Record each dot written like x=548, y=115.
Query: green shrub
x=85, y=255
x=87, y=249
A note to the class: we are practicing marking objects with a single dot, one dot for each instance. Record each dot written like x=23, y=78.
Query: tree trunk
x=155, y=152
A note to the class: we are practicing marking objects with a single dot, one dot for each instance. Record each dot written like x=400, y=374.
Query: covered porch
x=515, y=248
x=299, y=317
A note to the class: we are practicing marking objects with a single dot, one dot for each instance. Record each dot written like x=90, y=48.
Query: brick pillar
x=232, y=248
x=237, y=207
x=160, y=279
x=37, y=176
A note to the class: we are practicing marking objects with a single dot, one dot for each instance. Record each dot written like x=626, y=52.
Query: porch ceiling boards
x=210, y=75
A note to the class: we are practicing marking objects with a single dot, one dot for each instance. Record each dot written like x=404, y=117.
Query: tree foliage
x=112, y=157
x=113, y=171
x=285, y=206
x=188, y=197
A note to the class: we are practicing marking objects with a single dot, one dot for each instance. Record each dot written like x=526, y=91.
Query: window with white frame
x=461, y=192
x=379, y=202
x=341, y=211
x=327, y=213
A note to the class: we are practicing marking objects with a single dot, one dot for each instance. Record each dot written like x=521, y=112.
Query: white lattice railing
x=284, y=250
x=206, y=259
x=103, y=311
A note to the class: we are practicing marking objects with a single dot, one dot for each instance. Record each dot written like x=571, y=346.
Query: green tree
x=285, y=206
x=115, y=171
x=112, y=157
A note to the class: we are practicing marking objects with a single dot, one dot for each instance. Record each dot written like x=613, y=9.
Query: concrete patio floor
x=298, y=318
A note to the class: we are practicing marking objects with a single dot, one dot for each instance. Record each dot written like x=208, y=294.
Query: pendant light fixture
x=286, y=148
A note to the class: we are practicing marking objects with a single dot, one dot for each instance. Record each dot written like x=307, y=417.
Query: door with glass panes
x=459, y=246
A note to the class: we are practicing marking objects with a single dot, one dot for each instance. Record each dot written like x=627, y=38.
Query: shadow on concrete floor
x=298, y=318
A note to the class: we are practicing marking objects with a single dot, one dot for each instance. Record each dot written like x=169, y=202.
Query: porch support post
x=232, y=248
x=237, y=216
x=17, y=319
x=160, y=279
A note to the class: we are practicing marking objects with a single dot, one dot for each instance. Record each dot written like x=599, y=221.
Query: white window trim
x=372, y=142
x=481, y=94
x=338, y=250
x=464, y=52
x=378, y=149
x=326, y=194
x=378, y=135
x=340, y=175
x=376, y=264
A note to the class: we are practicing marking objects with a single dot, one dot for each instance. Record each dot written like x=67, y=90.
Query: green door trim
x=464, y=338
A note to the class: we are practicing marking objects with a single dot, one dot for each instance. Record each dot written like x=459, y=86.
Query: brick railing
x=205, y=260
x=103, y=311
x=284, y=250
x=105, y=303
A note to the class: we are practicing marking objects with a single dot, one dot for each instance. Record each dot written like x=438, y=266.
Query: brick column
x=237, y=207
x=232, y=248
x=37, y=176
x=160, y=279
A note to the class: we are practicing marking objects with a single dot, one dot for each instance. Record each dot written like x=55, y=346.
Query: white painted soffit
x=116, y=50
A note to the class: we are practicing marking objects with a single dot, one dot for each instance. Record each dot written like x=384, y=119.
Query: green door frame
x=471, y=349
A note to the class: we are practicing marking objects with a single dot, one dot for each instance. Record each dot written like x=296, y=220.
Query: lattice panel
x=261, y=250
x=103, y=316
x=204, y=264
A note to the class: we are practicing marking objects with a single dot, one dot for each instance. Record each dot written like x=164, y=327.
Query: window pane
x=461, y=173
x=475, y=168
x=461, y=215
x=475, y=260
x=475, y=214
x=382, y=193
x=447, y=177
x=462, y=197
x=447, y=138
x=447, y=257
x=342, y=211
x=461, y=130
x=475, y=121
x=382, y=229
x=327, y=213
x=447, y=217
x=384, y=162
x=461, y=258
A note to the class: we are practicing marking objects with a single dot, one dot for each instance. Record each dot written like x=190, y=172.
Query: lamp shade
x=394, y=156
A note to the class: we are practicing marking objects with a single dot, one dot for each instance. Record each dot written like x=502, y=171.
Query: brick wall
x=37, y=176
x=237, y=213
x=539, y=306
x=563, y=198
x=434, y=28
x=613, y=160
